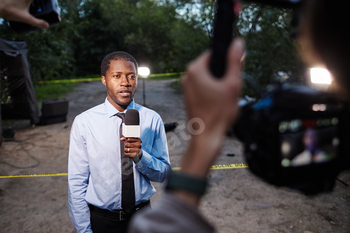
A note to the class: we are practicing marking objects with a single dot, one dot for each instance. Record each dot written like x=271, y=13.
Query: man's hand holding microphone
x=131, y=135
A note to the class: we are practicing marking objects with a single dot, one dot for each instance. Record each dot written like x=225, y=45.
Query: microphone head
x=132, y=117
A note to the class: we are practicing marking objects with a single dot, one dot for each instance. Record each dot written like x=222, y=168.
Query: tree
x=151, y=31
x=163, y=39
x=49, y=51
x=163, y=34
x=271, y=48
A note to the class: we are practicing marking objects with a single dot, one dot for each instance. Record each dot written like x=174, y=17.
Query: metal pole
x=144, y=95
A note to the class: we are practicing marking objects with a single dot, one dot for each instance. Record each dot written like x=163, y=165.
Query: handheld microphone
x=222, y=37
x=131, y=126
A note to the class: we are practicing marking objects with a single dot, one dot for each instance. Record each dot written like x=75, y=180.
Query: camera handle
x=222, y=36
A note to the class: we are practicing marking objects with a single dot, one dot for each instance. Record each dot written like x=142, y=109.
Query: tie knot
x=121, y=115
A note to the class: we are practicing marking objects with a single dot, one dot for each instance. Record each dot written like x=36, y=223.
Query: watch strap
x=185, y=182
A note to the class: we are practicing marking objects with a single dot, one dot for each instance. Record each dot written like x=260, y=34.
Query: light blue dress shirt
x=94, y=168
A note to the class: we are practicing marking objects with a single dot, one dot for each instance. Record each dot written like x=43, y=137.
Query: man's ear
x=103, y=79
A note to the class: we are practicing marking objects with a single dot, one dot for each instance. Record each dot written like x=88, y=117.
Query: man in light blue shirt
x=94, y=167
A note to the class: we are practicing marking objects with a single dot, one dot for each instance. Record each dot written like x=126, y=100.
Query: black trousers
x=105, y=221
x=106, y=224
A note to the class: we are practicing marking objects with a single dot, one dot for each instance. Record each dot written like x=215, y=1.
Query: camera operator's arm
x=215, y=103
x=18, y=10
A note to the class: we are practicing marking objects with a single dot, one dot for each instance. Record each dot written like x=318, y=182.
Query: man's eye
x=132, y=76
x=116, y=76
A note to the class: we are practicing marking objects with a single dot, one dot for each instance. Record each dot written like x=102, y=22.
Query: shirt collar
x=111, y=110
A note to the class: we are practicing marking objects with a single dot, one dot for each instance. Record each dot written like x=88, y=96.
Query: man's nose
x=125, y=81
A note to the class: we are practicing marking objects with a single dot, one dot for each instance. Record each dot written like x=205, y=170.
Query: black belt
x=118, y=214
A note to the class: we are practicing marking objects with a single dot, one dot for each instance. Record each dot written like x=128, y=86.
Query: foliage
x=270, y=48
x=152, y=32
x=162, y=34
x=49, y=53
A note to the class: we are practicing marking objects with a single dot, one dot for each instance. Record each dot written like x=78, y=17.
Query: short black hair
x=115, y=56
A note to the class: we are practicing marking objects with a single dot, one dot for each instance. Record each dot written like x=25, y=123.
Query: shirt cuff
x=145, y=160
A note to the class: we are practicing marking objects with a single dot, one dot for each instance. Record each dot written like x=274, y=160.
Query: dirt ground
x=236, y=201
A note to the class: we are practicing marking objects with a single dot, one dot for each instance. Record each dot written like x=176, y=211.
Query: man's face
x=121, y=83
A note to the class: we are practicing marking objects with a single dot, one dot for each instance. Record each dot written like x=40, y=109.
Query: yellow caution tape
x=214, y=167
x=36, y=175
x=222, y=166
x=229, y=166
x=165, y=74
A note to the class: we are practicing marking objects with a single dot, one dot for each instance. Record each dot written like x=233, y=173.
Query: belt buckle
x=121, y=216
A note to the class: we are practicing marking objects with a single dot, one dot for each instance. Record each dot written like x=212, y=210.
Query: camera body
x=47, y=10
x=297, y=137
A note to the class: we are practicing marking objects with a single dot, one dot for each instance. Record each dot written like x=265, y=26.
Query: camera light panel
x=320, y=76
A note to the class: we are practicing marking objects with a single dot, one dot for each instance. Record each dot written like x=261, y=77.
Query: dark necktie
x=128, y=189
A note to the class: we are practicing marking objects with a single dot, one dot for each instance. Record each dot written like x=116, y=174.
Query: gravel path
x=236, y=201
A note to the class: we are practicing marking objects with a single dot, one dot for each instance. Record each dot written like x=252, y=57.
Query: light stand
x=143, y=73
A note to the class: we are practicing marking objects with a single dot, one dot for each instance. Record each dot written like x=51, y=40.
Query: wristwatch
x=185, y=182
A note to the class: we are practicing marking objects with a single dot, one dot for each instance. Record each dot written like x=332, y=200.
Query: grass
x=53, y=90
x=57, y=89
x=164, y=76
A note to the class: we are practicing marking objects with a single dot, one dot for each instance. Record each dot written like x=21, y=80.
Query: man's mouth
x=125, y=93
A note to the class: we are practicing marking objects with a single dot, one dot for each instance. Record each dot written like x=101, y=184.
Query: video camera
x=294, y=135
x=47, y=10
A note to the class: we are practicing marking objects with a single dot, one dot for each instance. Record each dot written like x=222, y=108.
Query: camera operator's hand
x=18, y=10
x=215, y=103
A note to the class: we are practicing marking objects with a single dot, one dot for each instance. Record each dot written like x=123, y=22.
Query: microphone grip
x=222, y=37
